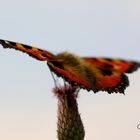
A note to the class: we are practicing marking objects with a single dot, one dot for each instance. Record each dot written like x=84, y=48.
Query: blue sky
x=87, y=28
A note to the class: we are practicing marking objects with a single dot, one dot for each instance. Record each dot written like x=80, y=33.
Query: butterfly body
x=76, y=67
x=96, y=74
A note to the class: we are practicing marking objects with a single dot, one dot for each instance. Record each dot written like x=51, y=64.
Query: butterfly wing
x=36, y=53
x=109, y=73
x=117, y=65
x=110, y=81
x=68, y=75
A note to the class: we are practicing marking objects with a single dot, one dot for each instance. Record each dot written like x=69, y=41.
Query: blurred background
x=28, y=108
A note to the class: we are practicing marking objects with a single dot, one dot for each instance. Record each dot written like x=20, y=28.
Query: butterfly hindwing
x=110, y=81
x=36, y=53
x=109, y=73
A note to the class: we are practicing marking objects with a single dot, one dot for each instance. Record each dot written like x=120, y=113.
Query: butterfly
x=90, y=73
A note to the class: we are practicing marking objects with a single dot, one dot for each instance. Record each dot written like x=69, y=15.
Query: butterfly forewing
x=118, y=65
x=36, y=53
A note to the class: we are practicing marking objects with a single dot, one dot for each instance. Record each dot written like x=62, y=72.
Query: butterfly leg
x=56, y=83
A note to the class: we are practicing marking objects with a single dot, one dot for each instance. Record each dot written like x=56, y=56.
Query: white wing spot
x=7, y=42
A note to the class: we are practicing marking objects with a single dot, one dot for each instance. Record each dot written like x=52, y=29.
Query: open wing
x=109, y=73
x=31, y=51
x=117, y=65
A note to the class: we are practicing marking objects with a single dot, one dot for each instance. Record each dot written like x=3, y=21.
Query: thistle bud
x=69, y=125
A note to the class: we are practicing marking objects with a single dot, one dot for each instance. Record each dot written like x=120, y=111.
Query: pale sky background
x=28, y=108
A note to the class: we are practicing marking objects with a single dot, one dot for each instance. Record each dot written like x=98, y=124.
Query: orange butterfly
x=96, y=74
